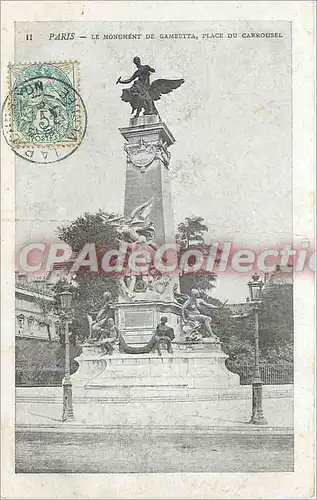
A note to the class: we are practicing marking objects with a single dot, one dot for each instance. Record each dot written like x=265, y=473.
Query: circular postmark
x=44, y=119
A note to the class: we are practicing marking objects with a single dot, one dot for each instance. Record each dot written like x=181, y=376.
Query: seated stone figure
x=163, y=330
x=109, y=337
x=192, y=312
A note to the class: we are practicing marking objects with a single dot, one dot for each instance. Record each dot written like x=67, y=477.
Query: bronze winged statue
x=142, y=94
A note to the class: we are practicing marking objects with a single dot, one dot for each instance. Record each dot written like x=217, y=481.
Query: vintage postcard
x=158, y=250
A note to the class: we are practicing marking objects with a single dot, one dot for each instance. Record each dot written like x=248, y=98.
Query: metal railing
x=271, y=374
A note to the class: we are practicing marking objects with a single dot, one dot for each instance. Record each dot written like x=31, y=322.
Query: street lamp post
x=68, y=414
x=257, y=417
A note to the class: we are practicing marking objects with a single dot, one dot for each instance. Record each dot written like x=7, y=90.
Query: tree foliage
x=90, y=285
x=41, y=363
x=89, y=228
x=190, y=235
x=205, y=284
x=191, y=231
x=276, y=327
x=276, y=320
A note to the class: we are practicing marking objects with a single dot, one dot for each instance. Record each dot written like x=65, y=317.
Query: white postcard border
x=298, y=484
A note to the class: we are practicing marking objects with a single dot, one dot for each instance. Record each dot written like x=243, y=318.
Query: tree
x=276, y=327
x=191, y=231
x=204, y=283
x=276, y=318
x=88, y=294
x=239, y=350
x=190, y=235
x=41, y=363
x=89, y=228
x=235, y=333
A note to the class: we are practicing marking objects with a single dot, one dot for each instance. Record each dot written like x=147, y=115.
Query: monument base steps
x=191, y=372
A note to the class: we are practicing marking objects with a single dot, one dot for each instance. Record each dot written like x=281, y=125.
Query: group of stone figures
x=105, y=333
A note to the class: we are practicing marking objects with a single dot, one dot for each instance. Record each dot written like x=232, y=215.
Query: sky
x=231, y=162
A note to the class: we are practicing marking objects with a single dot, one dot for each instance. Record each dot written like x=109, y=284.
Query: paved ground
x=113, y=452
x=43, y=407
x=155, y=436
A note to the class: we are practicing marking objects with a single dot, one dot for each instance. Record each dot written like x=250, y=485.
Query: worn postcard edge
x=298, y=484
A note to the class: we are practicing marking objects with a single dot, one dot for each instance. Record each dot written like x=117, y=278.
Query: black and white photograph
x=158, y=248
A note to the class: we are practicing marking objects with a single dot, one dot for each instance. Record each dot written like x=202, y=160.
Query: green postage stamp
x=44, y=117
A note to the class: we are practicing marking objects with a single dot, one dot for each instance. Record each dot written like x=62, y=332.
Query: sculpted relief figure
x=165, y=332
x=142, y=94
x=137, y=226
x=194, y=318
x=139, y=276
x=138, y=231
x=109, y=337
x=98, y=324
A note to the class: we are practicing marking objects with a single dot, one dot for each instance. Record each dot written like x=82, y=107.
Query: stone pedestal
x=147, y=174
x=193, y=371
x=138, y=320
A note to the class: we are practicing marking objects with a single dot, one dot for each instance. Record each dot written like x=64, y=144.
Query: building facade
x=34, y=311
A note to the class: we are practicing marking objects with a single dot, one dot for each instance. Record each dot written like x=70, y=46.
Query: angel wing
x=142, y=211
x=162, y=86
x=116, y=220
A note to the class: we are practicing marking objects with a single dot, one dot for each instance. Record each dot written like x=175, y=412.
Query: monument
x=152, y=342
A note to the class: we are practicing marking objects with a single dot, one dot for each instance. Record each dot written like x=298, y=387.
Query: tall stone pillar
x=147, y=173
x=148, y=197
